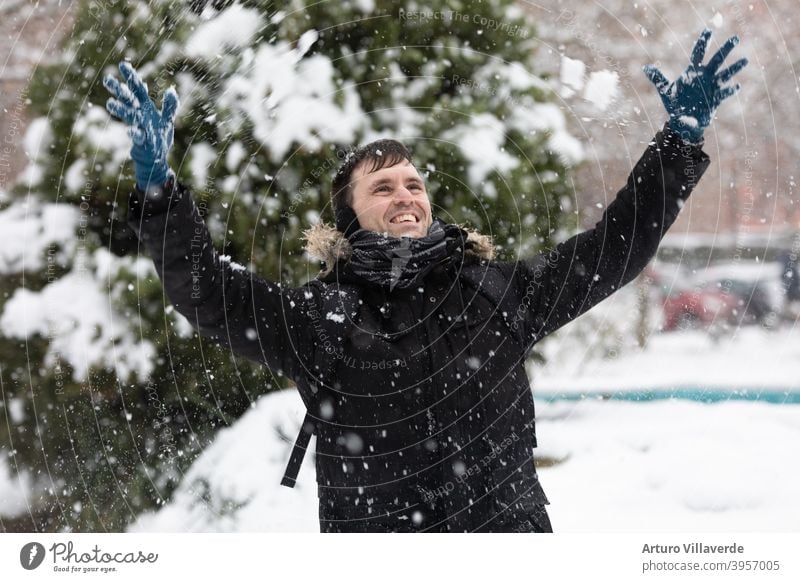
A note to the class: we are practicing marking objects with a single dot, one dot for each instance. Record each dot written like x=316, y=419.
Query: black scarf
x=401, y=262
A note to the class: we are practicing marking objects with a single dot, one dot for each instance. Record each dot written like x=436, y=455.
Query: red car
x=701, y=307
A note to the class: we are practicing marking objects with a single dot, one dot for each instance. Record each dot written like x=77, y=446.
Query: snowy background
x=643, y=425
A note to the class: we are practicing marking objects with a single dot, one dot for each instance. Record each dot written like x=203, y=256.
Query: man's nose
x=403, y=195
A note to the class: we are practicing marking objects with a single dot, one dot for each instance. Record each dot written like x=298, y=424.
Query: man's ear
x=347, y=221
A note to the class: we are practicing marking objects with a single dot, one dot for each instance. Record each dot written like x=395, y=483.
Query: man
x=408, y=349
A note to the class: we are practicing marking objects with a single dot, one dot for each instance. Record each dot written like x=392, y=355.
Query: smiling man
x=392, y=200
x=408, y=349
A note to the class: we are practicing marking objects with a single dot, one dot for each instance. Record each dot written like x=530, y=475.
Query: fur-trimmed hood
x=327, y=244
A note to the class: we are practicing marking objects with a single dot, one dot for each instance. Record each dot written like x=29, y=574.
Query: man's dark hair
x=383, y=153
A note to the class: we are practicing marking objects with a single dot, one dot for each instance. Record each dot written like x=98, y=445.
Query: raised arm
x=225, y=302
x=556, y=287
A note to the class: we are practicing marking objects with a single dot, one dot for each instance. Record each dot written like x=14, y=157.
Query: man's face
x=392, y=200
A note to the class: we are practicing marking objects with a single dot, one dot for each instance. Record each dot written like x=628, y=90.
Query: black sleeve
x=557, y=286
x=226, y=303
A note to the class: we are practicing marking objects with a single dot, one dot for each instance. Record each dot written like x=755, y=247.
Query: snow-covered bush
x=113, y=394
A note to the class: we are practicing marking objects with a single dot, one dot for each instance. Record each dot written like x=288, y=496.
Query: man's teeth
x=404, y=218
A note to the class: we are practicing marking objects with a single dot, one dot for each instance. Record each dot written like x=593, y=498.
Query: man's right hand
x=152, y=131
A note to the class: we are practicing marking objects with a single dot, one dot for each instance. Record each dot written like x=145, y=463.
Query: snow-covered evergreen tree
x=110, y=394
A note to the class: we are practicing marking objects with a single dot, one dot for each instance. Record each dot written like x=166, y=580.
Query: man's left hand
x=693, y=98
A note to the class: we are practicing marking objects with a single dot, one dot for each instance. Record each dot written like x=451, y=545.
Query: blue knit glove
x=692, y=100
x=152, y=131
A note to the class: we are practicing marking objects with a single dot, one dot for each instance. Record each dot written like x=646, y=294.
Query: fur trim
x=325, y=243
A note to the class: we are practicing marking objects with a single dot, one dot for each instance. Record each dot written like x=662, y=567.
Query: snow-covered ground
x=235, y=484
x=672, y=466
x=13, y=486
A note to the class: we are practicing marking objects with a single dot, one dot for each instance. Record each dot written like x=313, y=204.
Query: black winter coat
x=422, y=409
